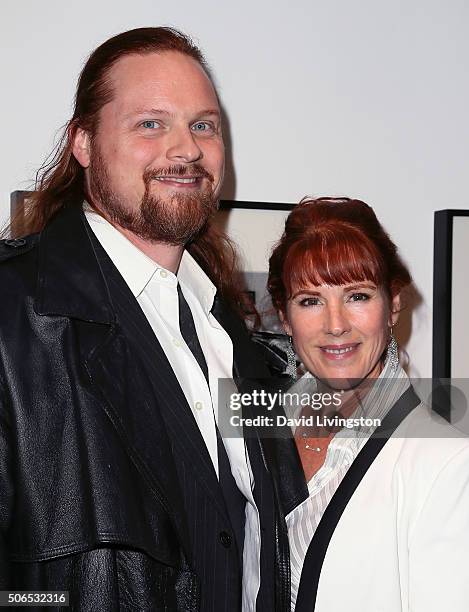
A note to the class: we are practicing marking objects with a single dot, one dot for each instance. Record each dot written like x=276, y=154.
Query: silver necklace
x=316, y=449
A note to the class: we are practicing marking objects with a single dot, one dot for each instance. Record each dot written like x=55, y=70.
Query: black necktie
x=189, y=333
x=235, y=501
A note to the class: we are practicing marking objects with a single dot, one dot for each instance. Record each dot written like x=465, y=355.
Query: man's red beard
x=174, y=220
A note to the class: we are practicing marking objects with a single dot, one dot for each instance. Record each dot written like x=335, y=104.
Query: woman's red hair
x=333, y=241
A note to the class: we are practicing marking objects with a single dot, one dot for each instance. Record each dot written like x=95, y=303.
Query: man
x=115, y=483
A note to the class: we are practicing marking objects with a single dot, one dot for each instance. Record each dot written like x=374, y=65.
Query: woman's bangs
x=331, y=260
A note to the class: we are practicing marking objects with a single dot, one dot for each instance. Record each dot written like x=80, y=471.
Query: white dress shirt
x=303, y=521
x=155, y=289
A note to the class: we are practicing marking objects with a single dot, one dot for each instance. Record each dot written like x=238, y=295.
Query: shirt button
x=177, y=342
x=225, y=539
x=198, y=405
x=163, y=273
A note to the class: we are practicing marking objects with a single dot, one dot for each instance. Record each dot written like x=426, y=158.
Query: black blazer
x=106, y=486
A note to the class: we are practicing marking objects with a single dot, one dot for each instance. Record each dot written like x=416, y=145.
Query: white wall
x=365, y=98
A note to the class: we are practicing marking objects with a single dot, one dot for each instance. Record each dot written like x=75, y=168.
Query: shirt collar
x=191, y=276
x=137, y=269
x=385, y=392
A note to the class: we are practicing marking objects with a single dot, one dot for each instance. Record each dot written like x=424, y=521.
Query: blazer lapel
x=127, y=398
x=143, y=408
x=317, y=549
x=158, y=382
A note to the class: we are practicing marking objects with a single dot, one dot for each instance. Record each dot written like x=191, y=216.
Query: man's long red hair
x=62, y=181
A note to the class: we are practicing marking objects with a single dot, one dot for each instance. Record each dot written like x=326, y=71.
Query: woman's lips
x=339, y=352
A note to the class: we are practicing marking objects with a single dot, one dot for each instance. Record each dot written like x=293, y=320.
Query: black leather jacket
x=80, y=510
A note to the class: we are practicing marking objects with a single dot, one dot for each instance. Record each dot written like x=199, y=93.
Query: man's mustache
x=194, y=170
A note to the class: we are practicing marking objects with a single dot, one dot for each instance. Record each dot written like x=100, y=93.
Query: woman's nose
x=337, y=322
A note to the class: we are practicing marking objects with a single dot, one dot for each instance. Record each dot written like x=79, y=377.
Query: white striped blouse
x=302, y=522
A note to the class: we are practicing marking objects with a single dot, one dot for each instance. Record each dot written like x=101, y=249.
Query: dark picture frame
x=450, y=279
x=18, y=197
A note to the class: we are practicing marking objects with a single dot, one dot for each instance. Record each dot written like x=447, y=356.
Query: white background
x=367, y=98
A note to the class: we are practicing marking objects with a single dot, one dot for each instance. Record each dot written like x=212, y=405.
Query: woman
x=385, y=526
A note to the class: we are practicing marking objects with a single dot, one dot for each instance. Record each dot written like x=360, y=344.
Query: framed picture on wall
x=255, y=227
x=18, y=201
x=451, y=294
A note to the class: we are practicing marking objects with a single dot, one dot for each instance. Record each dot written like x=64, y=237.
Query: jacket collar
x=137, y=269
x=70, y=281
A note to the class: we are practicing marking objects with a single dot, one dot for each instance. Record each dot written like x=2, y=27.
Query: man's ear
x=81, y=147
x=285, y=323
x=395, y=309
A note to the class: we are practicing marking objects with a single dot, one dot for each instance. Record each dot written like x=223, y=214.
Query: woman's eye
x=150, y=124
x=359, y=297
x=310, y=301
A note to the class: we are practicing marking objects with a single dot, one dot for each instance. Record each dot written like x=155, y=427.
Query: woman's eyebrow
x=306, y=292
x=363, y=285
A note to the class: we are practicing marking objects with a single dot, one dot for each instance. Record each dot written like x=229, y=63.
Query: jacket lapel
x=317, y=549
x=71, y=284
x=160, y=380
x=127, y=398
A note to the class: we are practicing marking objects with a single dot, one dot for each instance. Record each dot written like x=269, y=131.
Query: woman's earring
x=392, y=356
x=291, y=365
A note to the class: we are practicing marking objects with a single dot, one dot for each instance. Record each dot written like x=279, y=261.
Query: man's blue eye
x=150, y=124
x=200, y=127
